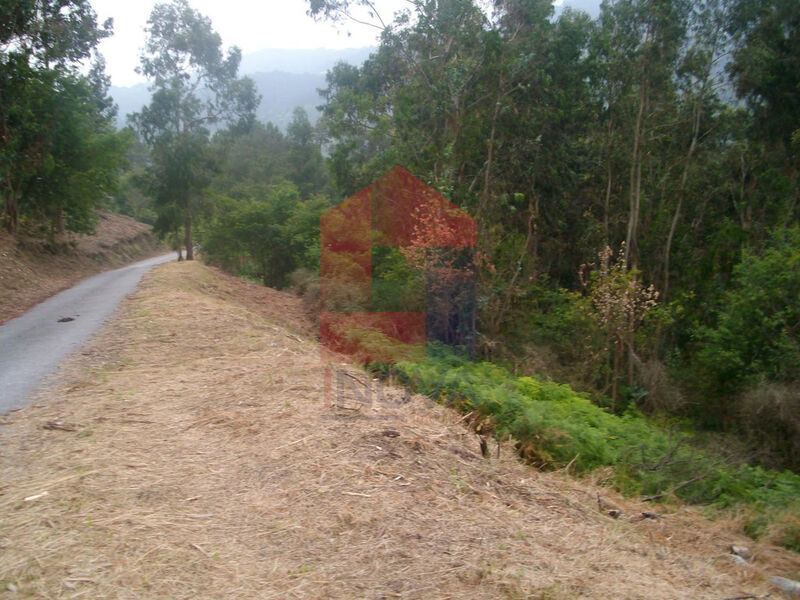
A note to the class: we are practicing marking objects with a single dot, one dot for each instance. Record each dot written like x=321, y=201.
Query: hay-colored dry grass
x=199, y=461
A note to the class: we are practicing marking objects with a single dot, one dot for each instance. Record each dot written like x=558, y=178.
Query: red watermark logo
x=396, y=271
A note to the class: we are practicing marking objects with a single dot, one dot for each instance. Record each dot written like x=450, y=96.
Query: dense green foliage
x=60, y=156
x=632, y=176
x=753, y=349
x=755, y=335
x=556, y=427
x=266, y=233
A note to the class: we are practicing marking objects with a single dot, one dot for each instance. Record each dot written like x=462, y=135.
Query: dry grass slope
x=195, y=459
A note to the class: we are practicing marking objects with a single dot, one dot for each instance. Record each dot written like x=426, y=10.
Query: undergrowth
x=555, y=427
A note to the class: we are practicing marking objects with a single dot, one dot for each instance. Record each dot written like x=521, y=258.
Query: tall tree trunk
x=498, y=315
x=535, y=239
x=681, y=189
x=487, y=178
x=187, y=226
x=631, y=349
x=698, y=113
x=618, y=349
x=177, y=241
x=635, y=179
x=635, y=183
x=609, y=185
x=631, y=250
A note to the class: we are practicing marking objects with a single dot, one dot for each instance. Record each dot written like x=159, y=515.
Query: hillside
x=31, y=270
x=280, y=91
x=188, y=453
x=288, y=60
x=285, y=79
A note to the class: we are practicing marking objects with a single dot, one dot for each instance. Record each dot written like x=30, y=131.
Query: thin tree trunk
x=618, y=348
x=505, y=303
x=535, y=239
x=12, y=212
x=609, y=187
x=487, y=177
x=60, y=227
x=635, y=180
x=635, y=207
x=674, y=224
x=473, y=333
x=631, y=351
x=607, y=207
x=636, y=167
x=698, y=112
x=187, y=226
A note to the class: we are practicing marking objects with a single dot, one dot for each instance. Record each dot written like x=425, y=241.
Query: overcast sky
x=249, y=24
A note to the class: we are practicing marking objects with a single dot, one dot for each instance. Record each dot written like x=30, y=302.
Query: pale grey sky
x=249, y=24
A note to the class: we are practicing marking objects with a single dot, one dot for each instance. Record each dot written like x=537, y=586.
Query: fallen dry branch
x=58, y=425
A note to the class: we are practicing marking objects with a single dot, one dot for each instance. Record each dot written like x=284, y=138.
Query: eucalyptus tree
x=306, y=164
x=195, y=88
x=766, y=73
x=698, y=129
x=638, y=48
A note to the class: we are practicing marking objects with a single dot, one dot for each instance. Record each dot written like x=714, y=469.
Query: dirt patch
x=190, y=453
x=32, y=270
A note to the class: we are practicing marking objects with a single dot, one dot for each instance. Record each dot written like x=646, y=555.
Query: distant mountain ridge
x=285, y=78
x=314, y=61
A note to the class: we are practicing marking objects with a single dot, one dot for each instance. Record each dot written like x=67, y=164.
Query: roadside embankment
x=32, y=270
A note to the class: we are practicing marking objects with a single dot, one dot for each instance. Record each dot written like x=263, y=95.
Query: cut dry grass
x=203, y=463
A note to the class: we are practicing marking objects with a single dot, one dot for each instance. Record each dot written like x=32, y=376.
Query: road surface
x=33, y=345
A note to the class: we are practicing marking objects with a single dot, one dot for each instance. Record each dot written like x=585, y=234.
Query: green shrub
x=756, y=337
x=266, y=234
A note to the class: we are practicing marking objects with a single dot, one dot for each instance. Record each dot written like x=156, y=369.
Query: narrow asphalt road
x=33, y=345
